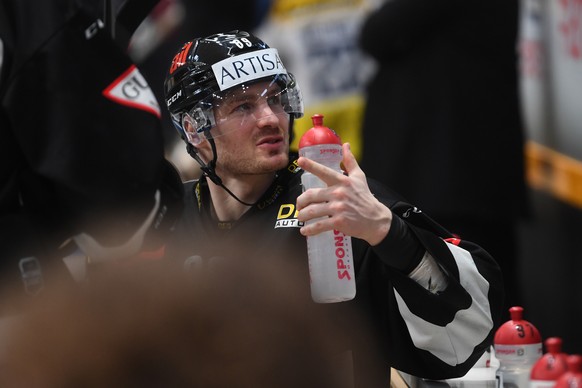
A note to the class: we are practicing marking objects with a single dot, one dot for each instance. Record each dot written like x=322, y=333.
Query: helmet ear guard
x=194, y=124
x=293, y=101
x=202, y=117
x=190, y=130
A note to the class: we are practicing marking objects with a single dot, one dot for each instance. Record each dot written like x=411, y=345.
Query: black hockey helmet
x=206, y=69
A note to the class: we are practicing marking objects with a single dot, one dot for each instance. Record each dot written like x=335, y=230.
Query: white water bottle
x=518, y=346
x=331, y=264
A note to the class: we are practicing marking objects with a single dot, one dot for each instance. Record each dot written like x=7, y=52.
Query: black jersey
x=433, y=335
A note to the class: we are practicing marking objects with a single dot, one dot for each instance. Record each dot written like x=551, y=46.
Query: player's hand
x=346, y=204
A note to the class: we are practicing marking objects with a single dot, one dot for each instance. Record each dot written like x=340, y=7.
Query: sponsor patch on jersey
x=131, y=89
x=287, y=217
x=247, y=67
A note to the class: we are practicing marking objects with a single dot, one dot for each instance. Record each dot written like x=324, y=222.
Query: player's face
x=252, y=131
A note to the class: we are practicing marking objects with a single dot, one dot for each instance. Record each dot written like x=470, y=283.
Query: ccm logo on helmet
x=173, y=99
x=247, y=67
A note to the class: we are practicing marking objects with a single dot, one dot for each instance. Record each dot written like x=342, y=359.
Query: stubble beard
x=251, y=165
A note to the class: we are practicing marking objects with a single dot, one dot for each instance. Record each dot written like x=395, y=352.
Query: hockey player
x=434, y=300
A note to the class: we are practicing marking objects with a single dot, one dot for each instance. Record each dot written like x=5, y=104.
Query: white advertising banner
x=551, y=73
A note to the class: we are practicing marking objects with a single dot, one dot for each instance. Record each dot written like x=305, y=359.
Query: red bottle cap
x=572, y=378
x=517, y=331
x=319, y=134
x=552, y=364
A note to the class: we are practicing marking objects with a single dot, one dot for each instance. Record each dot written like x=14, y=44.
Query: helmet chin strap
x=209, y=169
x=291, y=132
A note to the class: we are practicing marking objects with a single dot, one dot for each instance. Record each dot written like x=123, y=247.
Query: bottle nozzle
x=553, y=345
x=317, y=120
x=516, y=313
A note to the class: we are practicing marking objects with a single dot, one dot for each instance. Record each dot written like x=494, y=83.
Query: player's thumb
x=350, y=163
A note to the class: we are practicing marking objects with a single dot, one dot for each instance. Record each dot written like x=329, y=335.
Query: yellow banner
x=282, y=8
x=555, y=173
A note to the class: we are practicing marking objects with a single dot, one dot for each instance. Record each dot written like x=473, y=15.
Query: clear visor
x=245, y=105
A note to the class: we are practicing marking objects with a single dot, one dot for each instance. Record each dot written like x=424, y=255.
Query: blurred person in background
x=442, y=120
x=432, y=301
x=80, y=139
x=251, y=325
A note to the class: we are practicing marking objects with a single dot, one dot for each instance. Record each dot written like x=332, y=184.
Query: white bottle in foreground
x=518, y=346
x=331, y=264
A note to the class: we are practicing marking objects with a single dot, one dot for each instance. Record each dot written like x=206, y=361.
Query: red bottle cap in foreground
x=517, y=331
x=552, y=364
x=319, y=134
x=572, y=378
